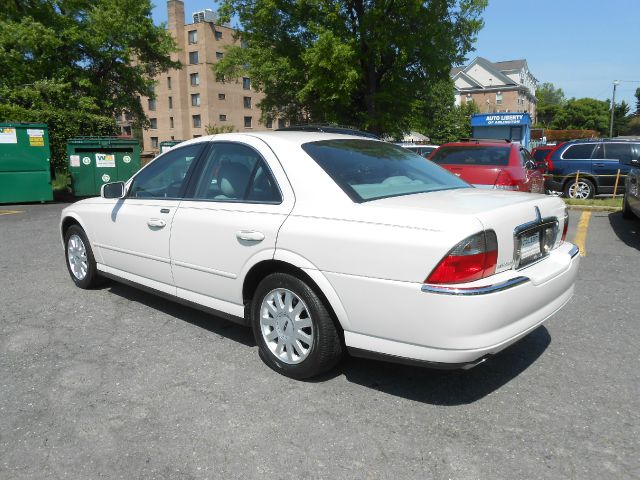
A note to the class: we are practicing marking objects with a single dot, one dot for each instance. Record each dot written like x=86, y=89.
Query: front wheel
x=581, y=190
x=626, y=211
x=294, y=331
x=80, y=261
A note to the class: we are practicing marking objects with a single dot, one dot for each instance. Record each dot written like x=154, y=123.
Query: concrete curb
x=594, y=208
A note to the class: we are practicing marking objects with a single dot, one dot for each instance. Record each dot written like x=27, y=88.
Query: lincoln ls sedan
x=325, y=244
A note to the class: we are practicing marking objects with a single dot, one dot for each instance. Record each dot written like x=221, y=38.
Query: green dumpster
x=25, y=163
x=166, y=145
x=94, y=161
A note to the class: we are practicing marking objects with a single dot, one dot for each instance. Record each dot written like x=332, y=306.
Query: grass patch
x=596, y=202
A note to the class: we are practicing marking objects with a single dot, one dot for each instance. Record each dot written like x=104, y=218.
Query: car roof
x=480, y=143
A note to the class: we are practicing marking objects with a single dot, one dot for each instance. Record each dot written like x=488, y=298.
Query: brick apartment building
x=496, y=86
x=189, y=99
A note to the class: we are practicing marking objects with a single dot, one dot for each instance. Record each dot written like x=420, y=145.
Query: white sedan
x=323, y=243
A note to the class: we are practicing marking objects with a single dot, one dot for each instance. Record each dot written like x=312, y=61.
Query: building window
x=221, y=96
x=126, y=130
x=195, y=99
x=281, y=123
x=152, y=104
x=218, y=35
x=168, y=83
x=154, y=142
x=269, y=123
x=223, y=118
x=153, y=123
x=247, y=102
x=197, y=122
x=170, y=102
x=170, y=122
x=247, y=122
x=468, y=97
x=128, y=116
x=219, y=55
x=499, y=98
x=197, y=136
x=193, y=37
x=246, y=83
x=195, y=79
x=193, y=58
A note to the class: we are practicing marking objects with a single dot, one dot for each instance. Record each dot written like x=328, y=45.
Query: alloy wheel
x=580, y=190
x=77, y=257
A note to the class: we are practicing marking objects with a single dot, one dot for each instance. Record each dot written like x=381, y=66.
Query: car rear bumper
x=405, y=322
x=553, y=184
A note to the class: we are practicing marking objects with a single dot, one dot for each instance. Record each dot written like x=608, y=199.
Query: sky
x=581, y=46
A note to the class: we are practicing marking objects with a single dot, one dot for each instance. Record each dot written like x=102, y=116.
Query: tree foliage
x=637, y=95
x=356, y=62
x=99, y=56
x=550, y=102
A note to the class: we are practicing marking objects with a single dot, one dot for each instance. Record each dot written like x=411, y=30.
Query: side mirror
x=112, y=190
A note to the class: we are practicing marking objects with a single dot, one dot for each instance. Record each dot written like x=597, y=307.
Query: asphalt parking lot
x=116, y=383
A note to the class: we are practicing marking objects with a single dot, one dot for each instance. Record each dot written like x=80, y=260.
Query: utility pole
x=613, y=107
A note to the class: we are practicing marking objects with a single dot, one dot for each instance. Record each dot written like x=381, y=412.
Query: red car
x=491, y=164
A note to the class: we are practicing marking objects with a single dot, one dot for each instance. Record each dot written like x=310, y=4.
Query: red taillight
x=473, y=258
x=548, y=157
x=505, y=182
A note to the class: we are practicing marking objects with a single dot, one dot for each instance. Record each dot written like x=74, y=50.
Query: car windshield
x=369, y=170
x=540, y=155
x=472, y=155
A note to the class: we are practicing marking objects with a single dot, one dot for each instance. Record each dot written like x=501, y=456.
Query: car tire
x=626, y=211
x=80, y=261
x=295, y=333
x=585, y=189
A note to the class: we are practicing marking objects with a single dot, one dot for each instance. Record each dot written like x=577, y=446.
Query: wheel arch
x=312, y=277
x=588, y=176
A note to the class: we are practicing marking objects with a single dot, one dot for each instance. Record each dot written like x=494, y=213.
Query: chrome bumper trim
x=474, y=290
x=574, y=251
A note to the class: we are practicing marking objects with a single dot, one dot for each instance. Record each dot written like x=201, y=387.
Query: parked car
x=597, y=160
x=631, y=200
x=325, y=242
x=422, y=150
x=497, y=164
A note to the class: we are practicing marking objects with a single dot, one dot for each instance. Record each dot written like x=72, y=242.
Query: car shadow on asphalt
x=627, y=230
x=212, y=323
x=449, y=387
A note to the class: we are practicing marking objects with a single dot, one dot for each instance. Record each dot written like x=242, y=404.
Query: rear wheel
x=626, y=211
x=80, y=261
x=293, y=329
x=581, y=190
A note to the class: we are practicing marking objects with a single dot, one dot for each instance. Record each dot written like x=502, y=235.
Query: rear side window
x=472, y=155
x=618, y=151
x=581, y=151
x=369, y=170
x=540, y=155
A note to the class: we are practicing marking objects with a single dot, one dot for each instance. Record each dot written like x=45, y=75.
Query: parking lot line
x=10, y=212
x=581, y=234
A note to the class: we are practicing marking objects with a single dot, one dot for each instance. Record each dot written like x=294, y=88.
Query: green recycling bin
x=94, y=161
x=166, y=145
x=25, y=163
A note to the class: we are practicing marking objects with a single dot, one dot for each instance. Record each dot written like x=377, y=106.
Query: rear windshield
x=472, y=155
x=369, y=170
x=540, y=155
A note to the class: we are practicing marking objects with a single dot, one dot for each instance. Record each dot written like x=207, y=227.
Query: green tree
x=436, y=116
x=550, y=102
x=583, y=114
x=101, y=54
x=355, y=62
x=637, y=95
x=621, y=119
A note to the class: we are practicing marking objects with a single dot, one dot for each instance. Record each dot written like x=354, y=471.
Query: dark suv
x=597, y=160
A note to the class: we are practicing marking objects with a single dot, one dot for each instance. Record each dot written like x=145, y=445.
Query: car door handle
x=250, y=235
x=598, y=164
x=156, y=223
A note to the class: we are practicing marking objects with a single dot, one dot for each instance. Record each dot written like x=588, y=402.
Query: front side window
x=236, y=173
x=369, y=170
x=165, y=177
x=472, y=155
x=581, y=151
x=193, y=58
